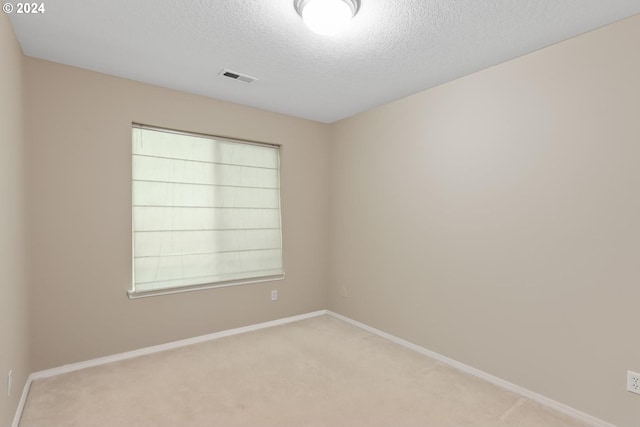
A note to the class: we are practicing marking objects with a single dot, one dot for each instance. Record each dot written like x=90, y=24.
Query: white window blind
x=206, y=211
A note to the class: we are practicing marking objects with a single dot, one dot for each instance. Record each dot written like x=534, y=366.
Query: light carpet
x=316, y=372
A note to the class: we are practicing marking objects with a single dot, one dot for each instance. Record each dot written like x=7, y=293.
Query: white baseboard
x=150, y=350
x=171, y=345
x=545, y=401
x=550, y=403
x=23, y=400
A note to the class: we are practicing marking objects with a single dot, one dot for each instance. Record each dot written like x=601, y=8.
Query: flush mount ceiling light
x=327, y=17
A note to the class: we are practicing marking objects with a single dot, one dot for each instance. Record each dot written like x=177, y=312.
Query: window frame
x=132, y=293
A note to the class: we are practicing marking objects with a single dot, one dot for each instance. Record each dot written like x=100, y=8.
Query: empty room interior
x=320, y=213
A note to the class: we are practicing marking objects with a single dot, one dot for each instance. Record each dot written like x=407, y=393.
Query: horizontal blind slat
x=198, y=148
x=181, y=171
x=203, y=207
x=174, y=268
x=204, y=229
x=178, y=242
x=203, y=253
x=167, y=218
x=202, y=161
x=205, y=185
x=162, y=194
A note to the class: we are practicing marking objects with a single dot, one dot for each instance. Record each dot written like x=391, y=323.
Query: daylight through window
x=206, y=211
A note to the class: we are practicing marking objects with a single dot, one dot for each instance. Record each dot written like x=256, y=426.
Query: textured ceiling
x=393, y=48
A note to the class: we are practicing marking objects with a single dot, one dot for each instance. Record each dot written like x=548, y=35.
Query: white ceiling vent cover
x=237, y=76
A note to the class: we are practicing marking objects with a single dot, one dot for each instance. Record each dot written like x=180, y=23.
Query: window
x=206, y=212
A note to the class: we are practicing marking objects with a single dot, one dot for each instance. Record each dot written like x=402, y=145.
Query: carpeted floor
x=317, y=372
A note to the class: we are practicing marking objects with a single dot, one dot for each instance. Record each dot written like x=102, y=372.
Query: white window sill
x=144, y=294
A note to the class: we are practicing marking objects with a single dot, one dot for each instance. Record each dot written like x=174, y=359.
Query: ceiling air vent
x=237, y=76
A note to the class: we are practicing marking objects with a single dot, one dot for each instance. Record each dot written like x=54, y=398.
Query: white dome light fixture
x=327, y=17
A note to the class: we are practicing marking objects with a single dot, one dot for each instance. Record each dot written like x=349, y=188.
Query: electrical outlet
x=274, y=295
x=344, y=292
x=9, y=382
x=633, y=382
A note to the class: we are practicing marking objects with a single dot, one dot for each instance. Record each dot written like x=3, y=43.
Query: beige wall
x=79, y=139
x=494, y=220
x=13, y=282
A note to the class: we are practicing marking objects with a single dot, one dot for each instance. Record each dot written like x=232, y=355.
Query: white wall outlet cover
x=9, y=382
x=274, y=295
x=633, y=382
